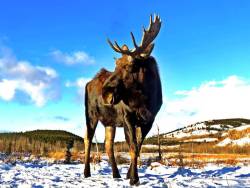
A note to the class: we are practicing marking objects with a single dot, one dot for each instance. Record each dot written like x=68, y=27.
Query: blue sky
x=50, y=49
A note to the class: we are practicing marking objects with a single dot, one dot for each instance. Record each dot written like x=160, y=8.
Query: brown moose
x=129, y=97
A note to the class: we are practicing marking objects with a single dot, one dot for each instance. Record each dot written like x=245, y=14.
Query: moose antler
x=146, y=45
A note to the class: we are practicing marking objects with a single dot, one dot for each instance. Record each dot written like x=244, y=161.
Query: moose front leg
x=133, y=151
x=141, y=133
x=127, y=140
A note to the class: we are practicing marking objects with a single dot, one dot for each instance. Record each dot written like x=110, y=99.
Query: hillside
x=39, y=142
x=215, y=136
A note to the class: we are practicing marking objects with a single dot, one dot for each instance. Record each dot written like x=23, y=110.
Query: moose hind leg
x=109, y=145
x=91, y=126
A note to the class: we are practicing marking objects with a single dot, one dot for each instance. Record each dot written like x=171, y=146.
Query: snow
x=243, y=127
x=240, y=142
x=224, y=134
x=200, y=129
x=187, y=131
x=216, y=126
x=151, y=146
x=225, y=142
x=195, y=129
x=203, y=132
x=45, y=174
x=202, y=140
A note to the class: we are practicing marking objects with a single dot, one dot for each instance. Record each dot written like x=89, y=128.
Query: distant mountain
x=53, y=135
x=44, y=135
x=218, y=135
x=38, y=141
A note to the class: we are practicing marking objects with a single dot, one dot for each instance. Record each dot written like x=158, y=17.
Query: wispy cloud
x=39, y=83
x=61, y=118
x=228, y=98
x=77, y=57
x=79, y=84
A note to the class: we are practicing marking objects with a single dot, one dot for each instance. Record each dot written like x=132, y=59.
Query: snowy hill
x=216, y=133
x=210, y=128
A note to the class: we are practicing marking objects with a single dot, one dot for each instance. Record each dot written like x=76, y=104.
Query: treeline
x=235, y=122
x=39, y=142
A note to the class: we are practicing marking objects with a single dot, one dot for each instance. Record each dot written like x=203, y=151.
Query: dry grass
x=121, y=147
x=181, y=159
x=230, y=162
x=205, y=156
x=60, y=155
x=121, y=160
x=196, y=155
x=200, y=160
x=211, y=148
x=193, y=137
x=217, y=156
x=235, y=134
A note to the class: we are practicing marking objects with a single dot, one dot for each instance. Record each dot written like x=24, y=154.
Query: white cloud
x=78, y=57
x=80, y=84
x=7, y=89
x=228, y=98
x=39, y=83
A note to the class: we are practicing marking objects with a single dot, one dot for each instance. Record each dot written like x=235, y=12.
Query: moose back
x=128, y=97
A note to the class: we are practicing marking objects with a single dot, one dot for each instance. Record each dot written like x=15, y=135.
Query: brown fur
x=129, y=97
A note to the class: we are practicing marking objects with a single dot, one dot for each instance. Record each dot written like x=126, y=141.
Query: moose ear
x=146, y=53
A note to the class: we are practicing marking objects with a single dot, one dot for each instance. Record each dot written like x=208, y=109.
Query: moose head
x=129, y=75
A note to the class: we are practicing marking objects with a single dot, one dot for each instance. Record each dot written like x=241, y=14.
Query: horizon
x=50, y=50
x=8, y=132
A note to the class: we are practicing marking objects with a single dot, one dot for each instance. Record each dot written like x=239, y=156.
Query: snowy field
x=44, y=174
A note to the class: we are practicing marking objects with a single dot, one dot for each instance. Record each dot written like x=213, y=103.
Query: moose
x=129, y=97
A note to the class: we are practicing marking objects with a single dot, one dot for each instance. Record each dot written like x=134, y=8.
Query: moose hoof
x=117, y=176
x=87, y=174
x=128, y=176
x=134, y=181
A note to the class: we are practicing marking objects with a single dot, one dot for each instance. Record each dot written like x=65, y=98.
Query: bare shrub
x=95, y=158
x=231, y=162
x=121, y=160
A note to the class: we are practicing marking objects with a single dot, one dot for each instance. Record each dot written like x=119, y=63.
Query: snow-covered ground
x=240, y=142
x=201, y=140
x=61, y=175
